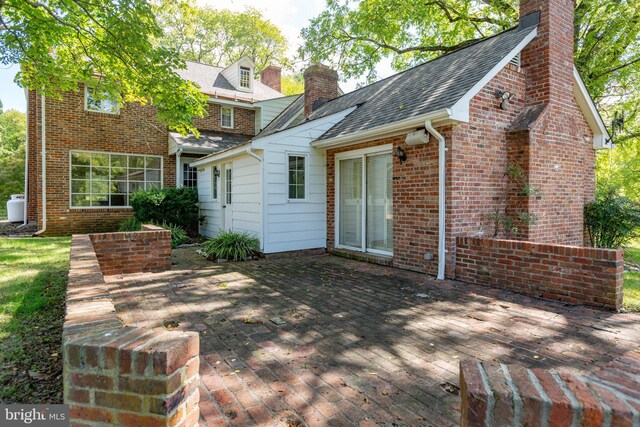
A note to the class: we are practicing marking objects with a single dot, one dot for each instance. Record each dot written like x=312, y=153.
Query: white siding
x=270, y=109
x=246, y=194
x=210, y=208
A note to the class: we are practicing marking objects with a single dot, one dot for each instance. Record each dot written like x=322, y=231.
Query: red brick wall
x=320, y=83
x=244, y=120
x=148, y=250
x=576, y=275
x=115, y=375
x=501, y=395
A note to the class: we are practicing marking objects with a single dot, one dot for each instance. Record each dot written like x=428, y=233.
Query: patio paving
x=360, y=344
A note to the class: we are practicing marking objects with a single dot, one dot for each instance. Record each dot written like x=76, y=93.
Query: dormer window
x=245, y=77
x=98, y=101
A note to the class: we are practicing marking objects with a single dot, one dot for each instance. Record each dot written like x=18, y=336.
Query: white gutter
x=44, y=168
x=388, y=129
x=179, y=182
x=26, y=166
x=442, y=150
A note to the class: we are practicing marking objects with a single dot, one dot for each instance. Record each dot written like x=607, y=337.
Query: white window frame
x=71, y=193
x=222, y=108
x=354, y=154
x=87, y=89
x=215, y=182
x=306, y=176
x=249, y=70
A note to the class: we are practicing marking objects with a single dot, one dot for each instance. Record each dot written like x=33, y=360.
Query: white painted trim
x=288, y=154
x=232, y=114
x=26, y=163
x=442, y=217
x=580, y=92
x=226, y=154
x=43, y=144
x=247, y=105
x=354, y=154
x=461, y=108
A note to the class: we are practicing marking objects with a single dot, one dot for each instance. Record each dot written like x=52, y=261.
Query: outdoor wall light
x=400, y=154
x=505, y=96
x=216, y=171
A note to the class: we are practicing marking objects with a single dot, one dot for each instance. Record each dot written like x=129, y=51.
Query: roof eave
x=601, y=138
x=221, y=155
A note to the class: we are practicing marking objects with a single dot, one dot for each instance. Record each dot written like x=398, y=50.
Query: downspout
x=44, y=167
x=250, y=152
x=178, y=171
x=442, y=150
x=26, y=166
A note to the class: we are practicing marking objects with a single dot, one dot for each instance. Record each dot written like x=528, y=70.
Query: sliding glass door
x=365, y=208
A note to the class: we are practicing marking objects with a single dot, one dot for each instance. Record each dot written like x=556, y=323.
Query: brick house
x=397, y=170
x=95, y=152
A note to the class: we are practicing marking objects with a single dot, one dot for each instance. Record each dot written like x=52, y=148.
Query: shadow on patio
x=362, y=344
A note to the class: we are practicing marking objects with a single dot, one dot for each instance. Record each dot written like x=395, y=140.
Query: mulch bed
x=15, y=229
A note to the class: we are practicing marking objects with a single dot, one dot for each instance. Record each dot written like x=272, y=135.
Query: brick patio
x=362, y=344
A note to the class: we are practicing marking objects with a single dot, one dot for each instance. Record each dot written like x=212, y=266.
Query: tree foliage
x=59, y=43
x=611, y=220
x=221, y=37
x=12, y=154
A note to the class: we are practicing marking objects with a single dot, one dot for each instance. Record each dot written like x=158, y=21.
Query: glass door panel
x=379, y=203
x=350, y=211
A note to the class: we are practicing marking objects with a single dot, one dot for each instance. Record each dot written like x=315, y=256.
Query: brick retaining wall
x=501, y=395
x=576, y=275
x=148, y=250
x=119, y=375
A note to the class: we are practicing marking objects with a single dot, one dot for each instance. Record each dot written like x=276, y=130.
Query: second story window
x=99, y=101
x=226, y=117
x=245, y=77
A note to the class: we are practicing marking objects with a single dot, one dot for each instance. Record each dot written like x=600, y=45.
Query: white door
x=227, y=198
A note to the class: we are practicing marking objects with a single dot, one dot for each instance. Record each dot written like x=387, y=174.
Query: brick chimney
x=272, y=77
x=548, y=59
x=320, y=86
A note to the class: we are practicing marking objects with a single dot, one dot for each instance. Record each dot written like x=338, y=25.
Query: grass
x=32, y=291
x=632, y=280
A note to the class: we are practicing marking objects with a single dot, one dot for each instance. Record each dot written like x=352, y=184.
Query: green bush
x=232, y=245
x=177, y=206
x=178, y=235
x=130, y=224
x=611, y=220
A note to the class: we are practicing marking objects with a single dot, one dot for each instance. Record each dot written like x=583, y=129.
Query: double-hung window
x=296, y=177
x=98, y=101
x=226, y=117
x=245, y=77
x=189, y=176
x=107, y=179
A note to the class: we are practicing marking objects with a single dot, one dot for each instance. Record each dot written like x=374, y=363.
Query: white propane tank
x=15, y=208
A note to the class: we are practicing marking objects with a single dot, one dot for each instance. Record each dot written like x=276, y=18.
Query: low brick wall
x=148, y=250
x=572, y=274
x=501, y=395
x=118, y=375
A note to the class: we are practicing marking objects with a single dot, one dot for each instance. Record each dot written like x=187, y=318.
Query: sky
x=288, y=15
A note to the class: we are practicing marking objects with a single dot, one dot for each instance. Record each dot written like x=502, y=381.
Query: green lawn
x=632, y=280
x=33, y=277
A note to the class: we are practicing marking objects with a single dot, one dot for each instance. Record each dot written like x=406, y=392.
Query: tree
x=59, y=43
x=13, y=127
x=292, y=84
x=221, y=37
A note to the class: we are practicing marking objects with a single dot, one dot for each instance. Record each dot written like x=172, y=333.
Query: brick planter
x=118, y=375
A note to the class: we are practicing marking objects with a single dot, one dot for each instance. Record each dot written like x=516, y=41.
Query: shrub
x=177, y=206
x=130, y=224
x=178, y=235
x=232, y=245
x=611, y=220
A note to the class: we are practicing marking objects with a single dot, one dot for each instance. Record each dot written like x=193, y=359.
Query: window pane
x=119, y=160
x=100, y=173
x=99, y=159
x=350, y=199
x=80, y=159
x=296, y=177
x=153, y=175
x=79, y=186
x=136, y=186
x=136, y=174
x=136, y=161
x=80, y=172
x=79, y=200
x=100, y=200
x=118, y=186
x=118, y=200
x=151, y=185
x=118, y=174
x=153, y=162
x=98, y=187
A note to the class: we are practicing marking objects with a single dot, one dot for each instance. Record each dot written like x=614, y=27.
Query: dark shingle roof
x=214, y=142
x=429, y=87
x=212, y=82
